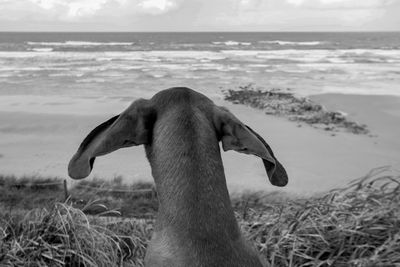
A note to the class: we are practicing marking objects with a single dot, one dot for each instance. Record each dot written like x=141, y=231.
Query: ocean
x=51, y=66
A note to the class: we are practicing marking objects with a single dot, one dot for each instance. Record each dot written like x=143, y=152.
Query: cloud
x=70, y=10
x=219, y=15
x=250, y=3
x=309, y=15
x=340, y=4
x=46, y=4
x=296, y=2
x=158, y=6
x=84, y=8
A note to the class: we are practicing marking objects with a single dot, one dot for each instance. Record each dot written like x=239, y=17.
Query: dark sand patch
x=299, y=109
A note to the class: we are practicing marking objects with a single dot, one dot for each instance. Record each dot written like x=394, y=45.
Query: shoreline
x=42, y=144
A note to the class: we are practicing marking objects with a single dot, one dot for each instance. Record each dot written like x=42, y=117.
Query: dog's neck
x=188, y=171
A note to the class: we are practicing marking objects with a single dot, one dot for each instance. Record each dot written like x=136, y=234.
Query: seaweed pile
x=299, y=109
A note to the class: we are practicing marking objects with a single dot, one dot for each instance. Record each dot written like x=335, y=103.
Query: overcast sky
x=199, y=15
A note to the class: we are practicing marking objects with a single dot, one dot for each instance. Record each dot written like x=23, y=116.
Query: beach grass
x=357, y=225
x=96, y=196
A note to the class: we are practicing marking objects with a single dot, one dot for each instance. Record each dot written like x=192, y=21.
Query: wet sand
x=42, y=144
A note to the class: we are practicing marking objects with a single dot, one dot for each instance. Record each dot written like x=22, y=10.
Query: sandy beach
x=33, y=143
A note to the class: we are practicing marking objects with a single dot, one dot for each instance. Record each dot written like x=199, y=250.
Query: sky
x=199, y=15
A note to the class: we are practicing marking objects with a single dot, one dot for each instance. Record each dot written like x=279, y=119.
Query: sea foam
x=80, y=43
x=279, y=42
x=232, y=43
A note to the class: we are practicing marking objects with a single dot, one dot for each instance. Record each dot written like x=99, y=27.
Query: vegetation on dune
x=62, y=236
x=300, y=109
x=134, y=200
x=26, y=193
x=137, y=200
x=354, y=226
x=358, y=225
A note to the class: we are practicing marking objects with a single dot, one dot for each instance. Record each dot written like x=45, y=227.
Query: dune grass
x=26, y=193
x=130, y=200
x=58, y=237
x=358, y=225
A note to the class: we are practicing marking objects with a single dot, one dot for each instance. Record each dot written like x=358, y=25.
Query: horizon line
x=196, y=31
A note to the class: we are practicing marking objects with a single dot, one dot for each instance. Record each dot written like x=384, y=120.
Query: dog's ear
x=132, y=127
x=234, y=135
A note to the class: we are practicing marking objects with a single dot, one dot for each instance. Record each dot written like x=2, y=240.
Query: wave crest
x=81, y=43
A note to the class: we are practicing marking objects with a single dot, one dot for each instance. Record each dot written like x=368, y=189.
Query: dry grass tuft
x=63, y=236
x=354, y=226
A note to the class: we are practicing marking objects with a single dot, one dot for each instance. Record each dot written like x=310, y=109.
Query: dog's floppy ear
x=234, y=135
x=132, y=127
